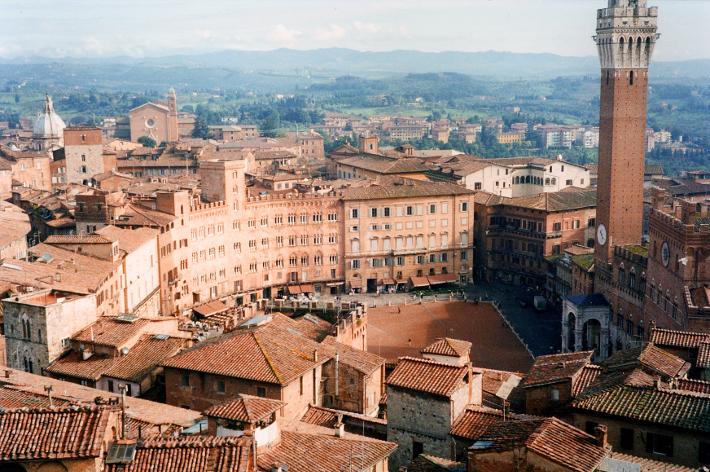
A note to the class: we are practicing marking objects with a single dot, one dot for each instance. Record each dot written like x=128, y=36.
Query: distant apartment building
x=84, y=155
x=556, y=136
x=29, y=169
x=510, y=138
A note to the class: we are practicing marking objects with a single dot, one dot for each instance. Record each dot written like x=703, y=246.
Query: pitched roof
x=385, y=165
x=476, y=420
x=448, y=347
x=128, y=239
x=556, y=368
x=650, y=358
x=77, y=239
x=268, y=354
x=190, y=454
x=400, y=187
x=566, y=445
x=142, y=358
x=550, y=438
x=570, y=198
x=66, y=432
x=586, y=377
x=110, y=331
x=362, y=361
x=246, y=408
x=650, y=465
x=310, y=452
x=678, y=339
x=427, y=376
x=11, y=397
x=427, y=463
x=662, y=406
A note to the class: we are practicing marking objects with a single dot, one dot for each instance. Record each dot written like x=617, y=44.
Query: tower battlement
x=626, y=34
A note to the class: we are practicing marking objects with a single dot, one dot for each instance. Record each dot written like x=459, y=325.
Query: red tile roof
x=268, y=354
x=109, y=331
x=652, y=359
x=564, y=444
x=556, y=368
x=703, y=360
x=650, y=465
x=67, y=432
x=697, y=386
x=321, y=417
x=678, y=339
x=476, y=420
x=448, y=347
x=550, y=438
x=144, y=356
x=662, y=406
x=246, y=408
x=427, y=376
x=586, y=377
x=13, y=398
x=190, y=454
x=427, y=463
x=309, y=452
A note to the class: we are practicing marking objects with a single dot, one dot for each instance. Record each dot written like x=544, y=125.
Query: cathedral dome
x=48, y=124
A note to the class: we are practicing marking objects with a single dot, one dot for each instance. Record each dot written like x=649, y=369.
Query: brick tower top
x=626, y=34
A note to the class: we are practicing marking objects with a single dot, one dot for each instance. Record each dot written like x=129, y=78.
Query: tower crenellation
x=626, y=34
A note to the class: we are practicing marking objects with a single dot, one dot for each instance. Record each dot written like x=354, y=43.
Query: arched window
x=355, y=246
x=527, y=179
x=631, y=78
x=432, y=241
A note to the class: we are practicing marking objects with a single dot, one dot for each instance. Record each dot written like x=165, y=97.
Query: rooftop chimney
x=602, y=434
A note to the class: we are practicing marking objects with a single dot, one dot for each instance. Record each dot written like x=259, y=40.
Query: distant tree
x=17, y=98
x=201, y=129
x=187, y=108
x=271, y=124
x=147, y=141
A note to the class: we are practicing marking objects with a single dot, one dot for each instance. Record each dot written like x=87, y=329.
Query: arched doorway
x=571, y=331
x=591, y=335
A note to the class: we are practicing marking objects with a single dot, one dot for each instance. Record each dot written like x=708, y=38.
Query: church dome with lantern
x=48, y=130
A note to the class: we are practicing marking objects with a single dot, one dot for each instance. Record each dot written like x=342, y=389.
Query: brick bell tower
x=626, y=36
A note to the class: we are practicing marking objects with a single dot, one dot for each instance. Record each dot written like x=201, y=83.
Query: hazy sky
x=157, y=27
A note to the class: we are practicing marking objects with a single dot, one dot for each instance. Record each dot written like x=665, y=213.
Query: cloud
x=331, y=33
x=371, y=28
x=283, y=35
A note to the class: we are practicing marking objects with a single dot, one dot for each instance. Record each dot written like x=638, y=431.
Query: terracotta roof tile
x=77, y=239
x=266, y=354
x=678, y=339
x=110, y=331
x=246, y=408
x=650, y=358
x=650, y=465
x=556, y=368
x=190, y=454
x=474, y=421
x=566, y=445
x=362, y=361
x=309, y=452
x=689, y=385
x=427, y=463
x=11, y=398
x=427, y=376
x=67, y=432
x=320, y=417
x=703, y=360
x=586, y=377
x=448, y=347
x=649, y=404
x=399, y=187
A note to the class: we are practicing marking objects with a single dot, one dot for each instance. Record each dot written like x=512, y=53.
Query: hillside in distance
x=238, y=66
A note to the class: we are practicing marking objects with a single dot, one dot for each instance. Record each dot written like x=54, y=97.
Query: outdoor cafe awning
x=442, y=279
x=356, y=282
x=389, y=282
x=307, y=288
x=419, y=281
x=294, y=289
x=211, y=308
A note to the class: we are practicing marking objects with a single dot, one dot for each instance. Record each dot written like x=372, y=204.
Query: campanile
x=626, y=35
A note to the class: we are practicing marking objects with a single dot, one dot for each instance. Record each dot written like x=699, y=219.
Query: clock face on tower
x=665, y=253
x=601, y=235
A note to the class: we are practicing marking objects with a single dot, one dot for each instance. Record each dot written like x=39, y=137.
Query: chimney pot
x=601, y=432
